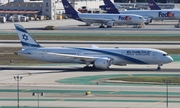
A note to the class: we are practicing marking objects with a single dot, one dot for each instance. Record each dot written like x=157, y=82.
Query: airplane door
x=154, y=55
x=80, y=53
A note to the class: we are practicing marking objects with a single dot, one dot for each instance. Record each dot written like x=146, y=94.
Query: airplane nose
x=170, y=59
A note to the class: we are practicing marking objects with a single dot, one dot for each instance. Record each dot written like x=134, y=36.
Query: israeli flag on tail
x=26, y=39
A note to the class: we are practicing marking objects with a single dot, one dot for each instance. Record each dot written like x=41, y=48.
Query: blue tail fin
x=153, y=6
x=69, y=10
x=26, y=39
x=110, y=7
x=108, y=2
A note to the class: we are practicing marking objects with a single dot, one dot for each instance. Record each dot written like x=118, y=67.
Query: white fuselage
x=116, y=18
x=119, y=56
x=156, y=14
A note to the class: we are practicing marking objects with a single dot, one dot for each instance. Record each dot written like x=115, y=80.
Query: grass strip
x=149, y=79
x=96, y=38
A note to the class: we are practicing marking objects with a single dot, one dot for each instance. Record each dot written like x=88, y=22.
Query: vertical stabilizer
x=69, y=10
x=110, y=7
x=152, y=5
x=26, y=39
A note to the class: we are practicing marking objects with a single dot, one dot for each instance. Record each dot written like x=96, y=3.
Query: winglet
x=26, y=39
x=152, y=5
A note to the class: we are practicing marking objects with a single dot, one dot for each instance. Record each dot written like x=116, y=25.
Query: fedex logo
x=109, y=8
x=167, y=14
x=151, y=4
x=66, y=6
x=125, y=18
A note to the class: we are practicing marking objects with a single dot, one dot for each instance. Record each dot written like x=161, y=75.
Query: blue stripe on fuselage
x=117, y=55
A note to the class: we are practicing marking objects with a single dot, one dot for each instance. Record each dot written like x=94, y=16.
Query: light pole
x=34, y=94
x=18, y=78
x=166, y=81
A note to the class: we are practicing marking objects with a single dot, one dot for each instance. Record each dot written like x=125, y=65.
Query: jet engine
x=102, y=63
x=110, y=24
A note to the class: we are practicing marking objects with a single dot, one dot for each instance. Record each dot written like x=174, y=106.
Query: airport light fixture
x=166, y=81
x=38, y=93
x=18, y=78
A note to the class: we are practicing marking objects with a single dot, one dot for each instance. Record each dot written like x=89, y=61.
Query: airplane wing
x=97, y=20
x=93, y=46
x=85, y=58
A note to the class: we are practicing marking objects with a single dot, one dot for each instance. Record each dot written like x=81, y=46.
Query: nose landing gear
x=159, y=66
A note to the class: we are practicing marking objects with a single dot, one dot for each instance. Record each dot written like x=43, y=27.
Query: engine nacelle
x=102, y=63
x=110, y=23
x=148, y=20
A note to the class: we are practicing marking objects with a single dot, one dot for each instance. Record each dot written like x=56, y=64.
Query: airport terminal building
x=48, y=8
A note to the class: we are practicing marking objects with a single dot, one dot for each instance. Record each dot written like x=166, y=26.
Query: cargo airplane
x=103, y=19
x=152, y=5
x=149, y=15
x=100, y=58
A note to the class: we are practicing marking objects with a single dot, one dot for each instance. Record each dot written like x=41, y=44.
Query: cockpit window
x=165, y=54
x=140, y=17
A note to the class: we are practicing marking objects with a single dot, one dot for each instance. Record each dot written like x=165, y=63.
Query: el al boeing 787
x=103, y=19
x=101, y=58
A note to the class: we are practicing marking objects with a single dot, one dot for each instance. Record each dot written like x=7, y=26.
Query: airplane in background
x=100, y=58
x=149, y=15
x=109, y=7
x=152, y=5
x=103, y=19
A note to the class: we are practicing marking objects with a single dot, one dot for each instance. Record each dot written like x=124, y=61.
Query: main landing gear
x=177, y=25
x=102, y=26
x=159, y=66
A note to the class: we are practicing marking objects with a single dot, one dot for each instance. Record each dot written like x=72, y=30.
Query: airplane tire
x=158, y=68
x=109, y=26
x=101, y=26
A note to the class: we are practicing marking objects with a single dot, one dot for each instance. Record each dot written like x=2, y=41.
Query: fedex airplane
x=100, y=58
x=149, y=15
x=103, y=19
x=152, y=5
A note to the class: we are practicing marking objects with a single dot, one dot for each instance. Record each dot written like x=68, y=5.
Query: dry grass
x=97, y=38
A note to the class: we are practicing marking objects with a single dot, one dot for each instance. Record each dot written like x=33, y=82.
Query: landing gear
x=159, y=66
x=101, y=26
x=109, y=26
x=88, y=24
x=87, y=65
x=138, y=26
x=177, y=25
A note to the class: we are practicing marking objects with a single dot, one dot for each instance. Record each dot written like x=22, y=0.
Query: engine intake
x=102, y=63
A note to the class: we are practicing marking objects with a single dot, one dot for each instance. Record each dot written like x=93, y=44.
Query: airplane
x=103, y=19
x=109, y=6
x=152, y=5
x=149, y=15
x=99, y=58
